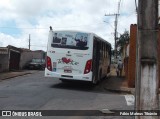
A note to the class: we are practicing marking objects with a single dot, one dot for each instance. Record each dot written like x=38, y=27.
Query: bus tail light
x=88, y=66
x=49, y=64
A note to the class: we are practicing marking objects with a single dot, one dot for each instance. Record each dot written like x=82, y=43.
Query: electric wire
x=6, y=27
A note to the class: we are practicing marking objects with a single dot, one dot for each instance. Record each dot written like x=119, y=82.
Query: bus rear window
x=70, y=41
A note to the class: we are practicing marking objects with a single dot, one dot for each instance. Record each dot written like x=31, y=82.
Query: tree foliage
x=122, y=40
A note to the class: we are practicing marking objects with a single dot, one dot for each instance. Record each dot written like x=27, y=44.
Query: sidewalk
x=8, y=75
x=117, y=84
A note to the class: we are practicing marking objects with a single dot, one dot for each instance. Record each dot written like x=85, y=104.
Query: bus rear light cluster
x=49, y=64
x=88, y=66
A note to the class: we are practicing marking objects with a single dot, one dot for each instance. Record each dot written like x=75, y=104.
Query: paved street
x=35, y=92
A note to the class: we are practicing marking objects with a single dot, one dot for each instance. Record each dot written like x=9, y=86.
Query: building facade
x=13, y=58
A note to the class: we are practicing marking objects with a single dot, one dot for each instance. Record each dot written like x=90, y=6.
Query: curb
x=124, y=90
x=121, y=90
x=14, y=76
x=22, y=74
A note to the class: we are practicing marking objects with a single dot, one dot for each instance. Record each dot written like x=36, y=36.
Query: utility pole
x=147, y=63
x=115, y=30
x=29, y=42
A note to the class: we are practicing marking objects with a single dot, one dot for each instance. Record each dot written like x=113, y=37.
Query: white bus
x=74, y=55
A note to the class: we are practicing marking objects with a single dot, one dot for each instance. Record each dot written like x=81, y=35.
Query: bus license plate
x=67, y=71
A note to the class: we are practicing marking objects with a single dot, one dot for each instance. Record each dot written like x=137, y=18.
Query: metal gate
x=14, y=60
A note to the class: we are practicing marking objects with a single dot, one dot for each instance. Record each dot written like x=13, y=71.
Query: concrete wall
x=4, y=62
x=126, y=67
x=27, y=56
x=125, y=60
x=159, y=55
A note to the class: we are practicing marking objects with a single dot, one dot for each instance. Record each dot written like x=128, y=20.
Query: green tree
x=122, y=40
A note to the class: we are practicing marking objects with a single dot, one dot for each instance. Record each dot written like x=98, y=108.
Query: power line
x=6, y=27
x=113, y=27
x=116, y=22
x=109, y=24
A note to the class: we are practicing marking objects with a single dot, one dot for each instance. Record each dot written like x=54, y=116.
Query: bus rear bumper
x=82, y=77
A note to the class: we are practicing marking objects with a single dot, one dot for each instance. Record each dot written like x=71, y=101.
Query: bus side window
x=103, y=50
x=94, y=46
x=106, y=51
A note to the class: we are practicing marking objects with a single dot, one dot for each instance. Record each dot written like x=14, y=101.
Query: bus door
x=96, y=58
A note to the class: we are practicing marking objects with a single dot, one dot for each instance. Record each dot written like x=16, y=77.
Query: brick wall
x=132, y=56
x=4, y=62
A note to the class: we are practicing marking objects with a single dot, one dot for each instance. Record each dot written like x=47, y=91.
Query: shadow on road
x=74, y=85
x=83, y=86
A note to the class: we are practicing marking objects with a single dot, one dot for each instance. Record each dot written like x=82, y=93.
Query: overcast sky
x=19, y=18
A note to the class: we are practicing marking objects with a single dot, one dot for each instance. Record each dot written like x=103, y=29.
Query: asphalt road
x=35, y=92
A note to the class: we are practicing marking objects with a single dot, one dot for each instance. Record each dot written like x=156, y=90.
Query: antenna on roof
x=50, y=28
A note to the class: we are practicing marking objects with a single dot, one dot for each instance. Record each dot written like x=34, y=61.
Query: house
x=13, y=58
x=9, y=58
